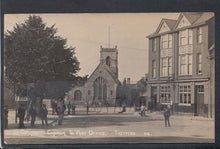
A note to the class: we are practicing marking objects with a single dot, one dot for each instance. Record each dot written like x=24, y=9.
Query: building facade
x=101, y=85
x=181, y=64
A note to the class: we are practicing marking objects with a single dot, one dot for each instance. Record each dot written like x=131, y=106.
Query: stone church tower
x=102, y=83
x=109, y=56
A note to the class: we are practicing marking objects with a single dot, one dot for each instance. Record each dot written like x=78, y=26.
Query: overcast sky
x=87, y=32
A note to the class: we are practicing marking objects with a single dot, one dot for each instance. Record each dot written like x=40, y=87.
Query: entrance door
x=199, y=100
x=153, y=98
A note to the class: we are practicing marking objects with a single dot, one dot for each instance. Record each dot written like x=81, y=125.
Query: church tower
x=109, y=57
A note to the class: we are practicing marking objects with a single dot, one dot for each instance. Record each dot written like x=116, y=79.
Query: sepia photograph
x=90, y=78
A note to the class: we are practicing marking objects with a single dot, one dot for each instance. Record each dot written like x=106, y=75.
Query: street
x=112, y=127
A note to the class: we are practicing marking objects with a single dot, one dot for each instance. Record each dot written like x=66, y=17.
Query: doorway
x=199, y=101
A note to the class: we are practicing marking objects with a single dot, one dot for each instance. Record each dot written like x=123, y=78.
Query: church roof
x=112, y=74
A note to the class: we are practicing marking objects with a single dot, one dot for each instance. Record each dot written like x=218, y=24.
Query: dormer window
x=108, y=61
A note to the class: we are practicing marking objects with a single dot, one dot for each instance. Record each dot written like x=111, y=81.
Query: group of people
x=33, y=112
x=69, y=106
x=166, y=113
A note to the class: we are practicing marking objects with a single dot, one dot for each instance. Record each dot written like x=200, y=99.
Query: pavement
x=107, y=126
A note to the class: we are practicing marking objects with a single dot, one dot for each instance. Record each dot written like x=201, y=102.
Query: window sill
x=165, y=103
x=184, y=104
x=185, y=75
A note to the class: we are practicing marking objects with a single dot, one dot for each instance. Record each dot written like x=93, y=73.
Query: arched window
x=108, y=61
x=100, y=88
x=77, y=95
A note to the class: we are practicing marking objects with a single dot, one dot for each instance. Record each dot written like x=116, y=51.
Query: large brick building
x=181, y=64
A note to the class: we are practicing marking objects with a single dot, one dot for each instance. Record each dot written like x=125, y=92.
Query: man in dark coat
x=32, y=113
x=167, y=116
x=44, y=113
x=21, y=114
x=6, y=117
x=60, y=110
x=69, y=107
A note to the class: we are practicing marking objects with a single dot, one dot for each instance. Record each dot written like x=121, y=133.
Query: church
x=100, y=88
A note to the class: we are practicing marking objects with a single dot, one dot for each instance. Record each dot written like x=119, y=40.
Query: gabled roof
x=193, y=18
x=204, y=17
x=105, y=67
x=170, y=23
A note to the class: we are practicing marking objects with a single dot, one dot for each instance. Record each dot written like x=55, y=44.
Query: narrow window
x=169, y=66
x=190, y=36
x=170, y=41
x=199, y=35
x=108, y=61
x=153, y=69
x=199, y=63
x=154, y=44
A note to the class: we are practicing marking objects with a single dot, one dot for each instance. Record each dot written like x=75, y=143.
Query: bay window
x=185, y=64
x=185, y=37
x=166, y=66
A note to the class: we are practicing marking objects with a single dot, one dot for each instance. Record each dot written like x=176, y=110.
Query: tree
x=35, y=54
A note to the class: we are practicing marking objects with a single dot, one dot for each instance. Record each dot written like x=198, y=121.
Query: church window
x=111, y=92
x=89, y=92
x=108, y=61
x=77, y=95
x=100, y=88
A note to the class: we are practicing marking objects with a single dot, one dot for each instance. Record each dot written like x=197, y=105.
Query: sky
x=88, y=31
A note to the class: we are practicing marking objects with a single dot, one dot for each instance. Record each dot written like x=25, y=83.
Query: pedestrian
x=44, y=113
x=53, y=105
x=142, y=113
x=123, y=108
x=167, y=116
x=6, y=117
x=21, y=114
x=69, y=106
x=60, y=110
x=73, y=109
x=32, y=113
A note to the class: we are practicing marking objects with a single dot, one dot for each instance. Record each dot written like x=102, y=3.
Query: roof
x=112, y=74
x=204, y=17
x=193, y=18
x=170, y=23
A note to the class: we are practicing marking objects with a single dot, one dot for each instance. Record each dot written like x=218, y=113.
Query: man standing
x=60, y=110
x=69, y=106
x=6, y=117
x=44, y=113
x=32, y=113
x=21, y=114
x=167, y=116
